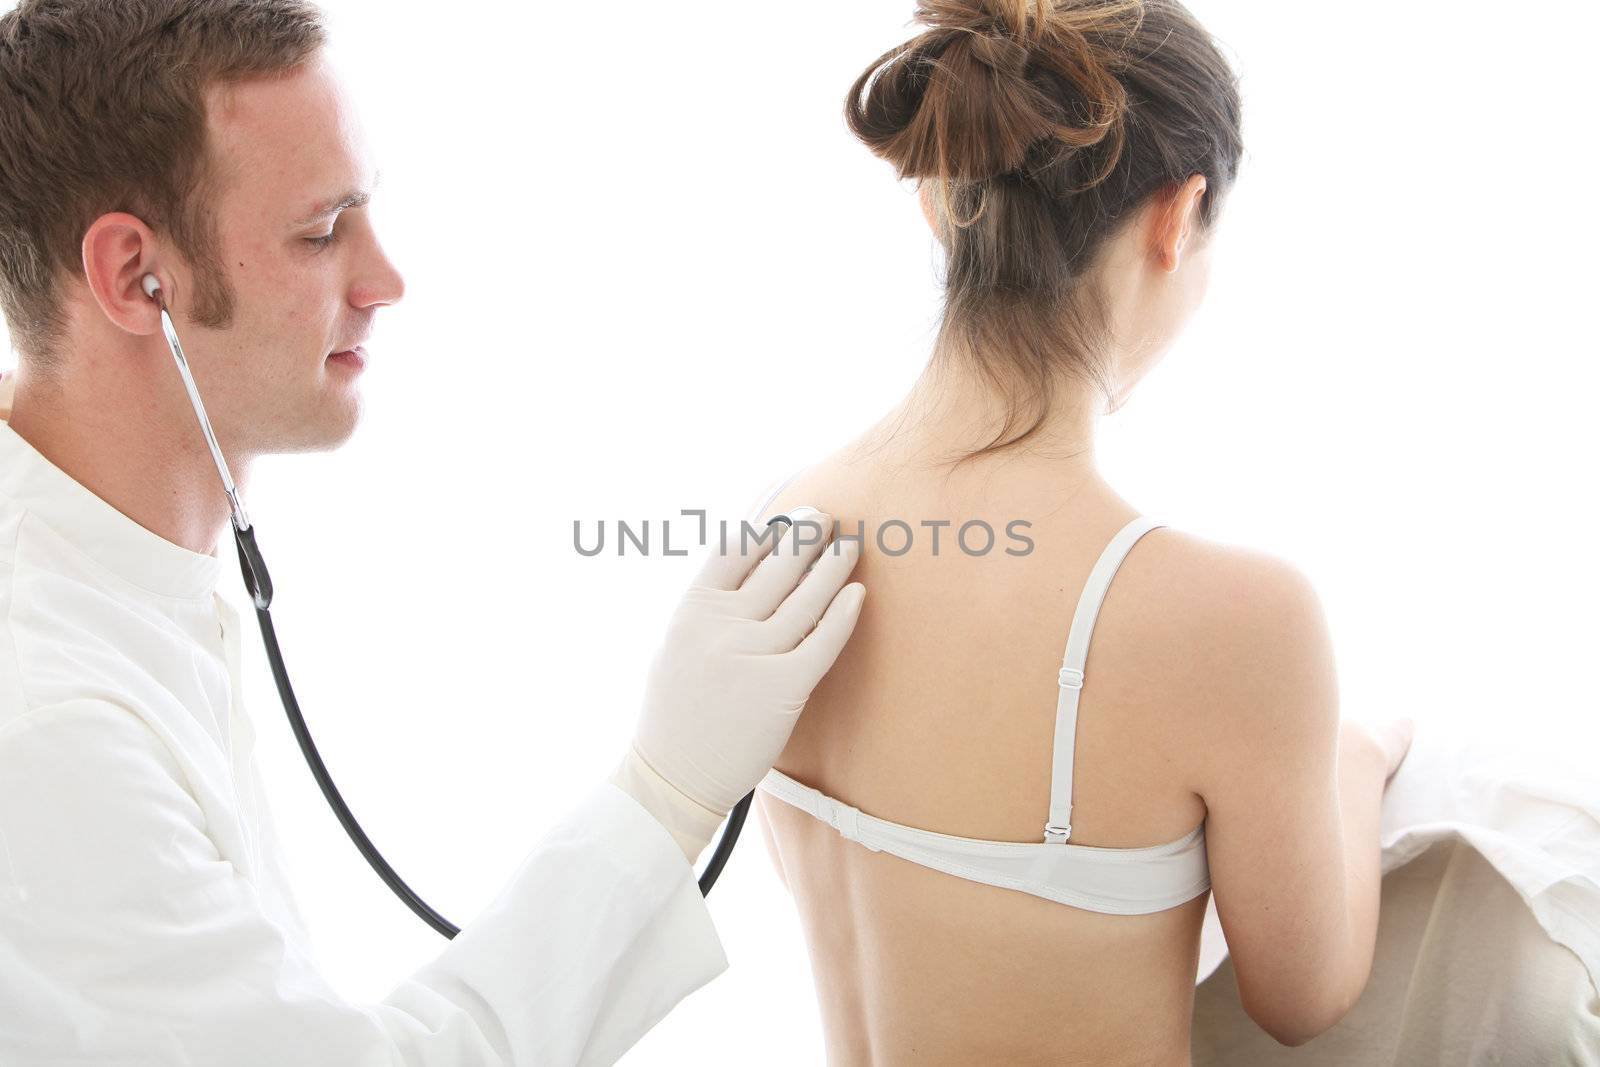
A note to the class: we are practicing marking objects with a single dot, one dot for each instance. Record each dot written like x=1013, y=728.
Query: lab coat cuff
x=690, y=824
x=601, y=932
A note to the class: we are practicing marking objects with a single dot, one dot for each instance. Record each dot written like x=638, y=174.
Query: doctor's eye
x=324, y=240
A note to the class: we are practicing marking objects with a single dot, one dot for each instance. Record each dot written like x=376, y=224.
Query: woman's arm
x=1293, y=797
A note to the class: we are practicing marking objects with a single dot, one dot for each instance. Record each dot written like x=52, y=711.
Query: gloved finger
x=817, y=653
x=803, y=609
x=781, y=570
x=729, y=564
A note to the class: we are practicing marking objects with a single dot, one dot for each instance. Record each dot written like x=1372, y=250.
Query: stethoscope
x=259, y=584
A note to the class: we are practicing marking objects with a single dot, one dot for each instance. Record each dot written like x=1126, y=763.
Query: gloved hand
x=748, y=643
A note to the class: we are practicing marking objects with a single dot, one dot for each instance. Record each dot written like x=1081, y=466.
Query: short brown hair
x=102, y=109
x=1046, y=124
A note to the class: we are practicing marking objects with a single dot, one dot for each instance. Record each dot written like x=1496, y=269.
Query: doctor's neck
x=121, y=426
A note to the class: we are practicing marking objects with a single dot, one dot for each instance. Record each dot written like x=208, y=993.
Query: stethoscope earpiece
x=151, y=285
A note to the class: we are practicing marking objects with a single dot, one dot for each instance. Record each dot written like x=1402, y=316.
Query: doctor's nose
x=379, y=281
x=393, y=285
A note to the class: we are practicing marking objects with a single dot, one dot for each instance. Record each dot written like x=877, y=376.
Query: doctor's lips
x=354, y=357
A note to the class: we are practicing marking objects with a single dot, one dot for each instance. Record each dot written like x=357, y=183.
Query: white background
x=648, y=269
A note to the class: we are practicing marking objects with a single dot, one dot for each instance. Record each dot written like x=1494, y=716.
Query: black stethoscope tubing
x=259, y=584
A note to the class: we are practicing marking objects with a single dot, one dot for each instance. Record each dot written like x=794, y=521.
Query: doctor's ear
x=117, y=256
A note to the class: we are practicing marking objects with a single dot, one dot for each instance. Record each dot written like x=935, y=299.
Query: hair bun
x=991, y=79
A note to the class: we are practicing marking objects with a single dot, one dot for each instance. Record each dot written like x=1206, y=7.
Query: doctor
x=144, y=915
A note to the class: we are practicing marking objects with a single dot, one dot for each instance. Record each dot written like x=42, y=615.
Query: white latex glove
x=748, y=643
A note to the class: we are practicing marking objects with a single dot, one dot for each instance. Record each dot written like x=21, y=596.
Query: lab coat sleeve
x=125, y=937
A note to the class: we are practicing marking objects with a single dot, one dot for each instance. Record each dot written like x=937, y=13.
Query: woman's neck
x=951, y=411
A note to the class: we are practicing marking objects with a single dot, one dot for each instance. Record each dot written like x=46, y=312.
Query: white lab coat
x=144, y=913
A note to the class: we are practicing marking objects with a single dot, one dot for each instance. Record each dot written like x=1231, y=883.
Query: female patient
x=999, y=833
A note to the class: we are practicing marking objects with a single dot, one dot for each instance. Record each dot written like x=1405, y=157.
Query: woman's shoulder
x=824, y=484
x=1219, y=582
x=1249, y=622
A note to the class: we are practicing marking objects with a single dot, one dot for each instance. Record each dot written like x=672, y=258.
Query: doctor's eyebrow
x=354, y=198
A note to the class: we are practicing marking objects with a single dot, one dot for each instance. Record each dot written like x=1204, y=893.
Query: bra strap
x=1069, y=679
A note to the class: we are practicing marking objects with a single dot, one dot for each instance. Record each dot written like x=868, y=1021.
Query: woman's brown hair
x=1044, y=127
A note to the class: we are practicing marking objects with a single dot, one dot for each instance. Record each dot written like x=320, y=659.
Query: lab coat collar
x=99, y=530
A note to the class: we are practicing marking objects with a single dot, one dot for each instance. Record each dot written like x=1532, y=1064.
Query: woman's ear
x=1175, y=222
x=118, y=251
x=925, y=197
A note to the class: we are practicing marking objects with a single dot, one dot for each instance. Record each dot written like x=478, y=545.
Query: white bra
x=1121, y=881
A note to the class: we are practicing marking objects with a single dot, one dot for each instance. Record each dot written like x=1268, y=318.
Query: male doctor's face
x=299, y=274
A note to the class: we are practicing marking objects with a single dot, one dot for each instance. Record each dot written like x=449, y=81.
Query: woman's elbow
x=1290, y=1038
x=1297, y=1021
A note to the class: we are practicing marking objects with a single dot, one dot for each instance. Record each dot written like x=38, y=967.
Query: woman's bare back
x=940, y=714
